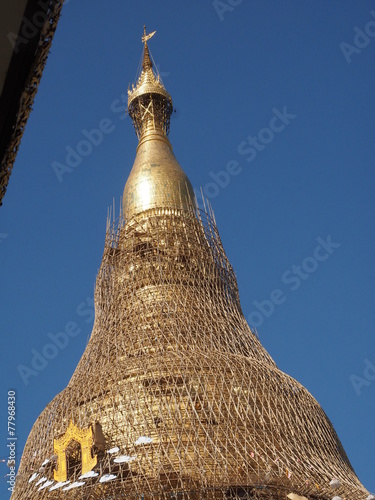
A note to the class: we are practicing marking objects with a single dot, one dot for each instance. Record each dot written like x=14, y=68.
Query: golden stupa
x=174, y=396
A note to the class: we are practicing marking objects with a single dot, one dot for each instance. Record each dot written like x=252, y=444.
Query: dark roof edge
x=25, y=70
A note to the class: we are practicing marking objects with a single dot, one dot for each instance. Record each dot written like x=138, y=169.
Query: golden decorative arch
x=85, y=438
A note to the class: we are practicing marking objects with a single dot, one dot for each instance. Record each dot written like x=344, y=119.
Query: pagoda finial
x=146, y=36
x=149, y=104
x=147, y=63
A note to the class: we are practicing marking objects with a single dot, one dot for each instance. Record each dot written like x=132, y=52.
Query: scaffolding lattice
x=189, y=402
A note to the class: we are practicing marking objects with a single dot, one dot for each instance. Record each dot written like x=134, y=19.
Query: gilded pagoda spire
x=157, y=178
x=147, y=63
x=174, y=396
x=150, y=105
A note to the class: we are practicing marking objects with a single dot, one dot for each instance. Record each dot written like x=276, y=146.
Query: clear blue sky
x=307, y=180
